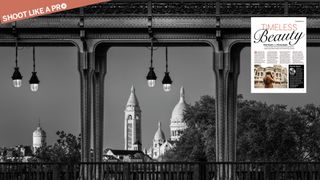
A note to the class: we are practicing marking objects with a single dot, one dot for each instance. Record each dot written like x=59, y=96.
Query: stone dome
x=39, y=132
x=177, y=113
x=159, y=134
x=132, y=101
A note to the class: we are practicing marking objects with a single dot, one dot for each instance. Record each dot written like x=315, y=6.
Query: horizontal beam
x=130, y=23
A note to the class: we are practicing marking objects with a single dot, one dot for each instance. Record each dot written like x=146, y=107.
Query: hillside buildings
x=22, y=153
x=133, y=133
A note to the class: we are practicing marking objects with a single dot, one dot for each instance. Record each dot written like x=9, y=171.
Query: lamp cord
x=151, y=61
x=34, y=60
x=166, y=58
x=16, y=52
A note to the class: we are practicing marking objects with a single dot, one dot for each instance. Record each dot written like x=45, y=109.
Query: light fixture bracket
x=81, y=25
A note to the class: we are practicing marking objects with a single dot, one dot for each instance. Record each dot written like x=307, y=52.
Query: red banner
x=15, y=10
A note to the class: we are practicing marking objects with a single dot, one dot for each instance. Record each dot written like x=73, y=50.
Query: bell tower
x=132, y=123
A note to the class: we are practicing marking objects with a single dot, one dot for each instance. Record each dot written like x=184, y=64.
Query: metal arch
x=174, y=23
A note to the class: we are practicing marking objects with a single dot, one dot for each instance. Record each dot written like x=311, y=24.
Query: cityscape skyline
x=57, y=103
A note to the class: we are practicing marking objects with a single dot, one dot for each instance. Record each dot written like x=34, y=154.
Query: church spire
x=133, y=101
x=181, y=93
x=159, y=134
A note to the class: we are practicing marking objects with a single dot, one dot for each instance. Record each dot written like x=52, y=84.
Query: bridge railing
x=162, y=171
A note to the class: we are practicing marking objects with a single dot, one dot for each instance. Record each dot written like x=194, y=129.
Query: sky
x=57, y=103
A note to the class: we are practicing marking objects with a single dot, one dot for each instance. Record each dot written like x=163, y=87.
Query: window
x=129, y=117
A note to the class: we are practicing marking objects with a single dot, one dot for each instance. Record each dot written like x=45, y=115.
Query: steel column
x=226, y=68
x=86, y=70
x=98, y=102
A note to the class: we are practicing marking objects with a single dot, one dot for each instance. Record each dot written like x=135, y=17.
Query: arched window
x=129, y=117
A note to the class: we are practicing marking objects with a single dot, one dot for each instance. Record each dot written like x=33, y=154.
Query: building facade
x=113, y=155
x=132, y=123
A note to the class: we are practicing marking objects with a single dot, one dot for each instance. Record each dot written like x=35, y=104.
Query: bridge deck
x=187, y=19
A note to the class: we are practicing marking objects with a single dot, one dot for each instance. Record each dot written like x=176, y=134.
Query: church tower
x=132, y=123
x=38, y=138
x=177, y=125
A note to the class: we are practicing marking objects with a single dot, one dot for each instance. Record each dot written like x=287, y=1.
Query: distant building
x=16, y=154
x=177, y=125
x=160, y=144
x=23, y=150
x=132, y=133
x=39, y=138
x=112, y=155
x=23, y=153
x=132, y=123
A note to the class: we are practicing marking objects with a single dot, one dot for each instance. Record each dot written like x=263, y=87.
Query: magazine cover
x=159, y=90
x=278, y=55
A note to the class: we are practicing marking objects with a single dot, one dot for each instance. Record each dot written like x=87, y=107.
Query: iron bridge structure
x=223, y=25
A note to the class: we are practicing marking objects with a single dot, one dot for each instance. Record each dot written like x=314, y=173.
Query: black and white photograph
x=160, y=90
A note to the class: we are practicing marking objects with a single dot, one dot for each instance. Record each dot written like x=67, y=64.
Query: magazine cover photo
x=267, y=76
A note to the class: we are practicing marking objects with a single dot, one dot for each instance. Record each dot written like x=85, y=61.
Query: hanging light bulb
x=16, y=77
x=151, y=76
x=166, y=82
x=34, y=81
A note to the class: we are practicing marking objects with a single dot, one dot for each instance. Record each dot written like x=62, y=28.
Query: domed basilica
x=132, y=127
x=160, y=144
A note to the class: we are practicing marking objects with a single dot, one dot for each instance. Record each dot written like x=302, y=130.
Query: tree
x=197, y=141
x=309, y=139
x=264, y=132
x=66, y=149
